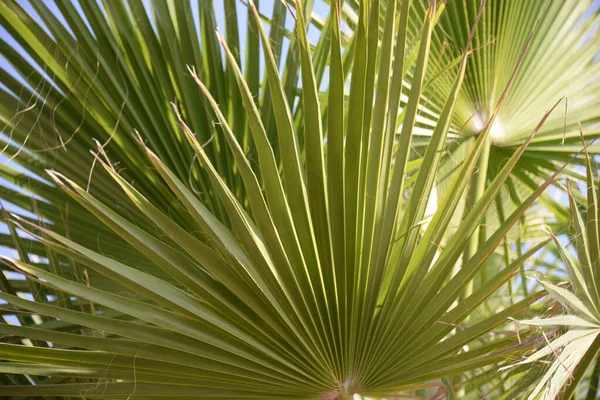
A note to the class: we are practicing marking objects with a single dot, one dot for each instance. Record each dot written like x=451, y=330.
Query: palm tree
x=239, y=232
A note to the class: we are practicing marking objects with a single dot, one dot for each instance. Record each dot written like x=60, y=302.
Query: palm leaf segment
x=314, y=278
x=561, y=63
x=573, y=352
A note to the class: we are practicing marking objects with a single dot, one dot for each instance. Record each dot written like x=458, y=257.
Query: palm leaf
x=233, y=237
x=575, y=350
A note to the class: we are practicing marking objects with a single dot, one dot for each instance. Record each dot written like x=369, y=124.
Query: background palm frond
x=573, y=353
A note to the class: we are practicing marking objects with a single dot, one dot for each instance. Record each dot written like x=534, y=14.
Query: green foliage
x=575, y=350
x=212, y=224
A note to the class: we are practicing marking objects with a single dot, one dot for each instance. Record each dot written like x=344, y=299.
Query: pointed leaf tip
x=289, y=8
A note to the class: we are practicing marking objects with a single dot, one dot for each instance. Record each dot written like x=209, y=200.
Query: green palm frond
x=552, y=69
x=572, y=353
x=205, y=223
x=561, y=63
x=111, y=77
x=301, y=269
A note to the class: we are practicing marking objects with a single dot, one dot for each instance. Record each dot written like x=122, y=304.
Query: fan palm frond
x=299, y=272
x=573, y=352
x=236, y=233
